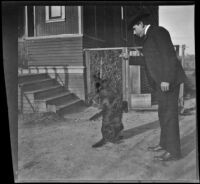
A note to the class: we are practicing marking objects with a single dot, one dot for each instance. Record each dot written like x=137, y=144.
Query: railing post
x=87, y=63
x=181, y=93
x=125, y=76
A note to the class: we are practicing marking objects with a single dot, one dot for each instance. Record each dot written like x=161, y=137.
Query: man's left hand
x=164, y=86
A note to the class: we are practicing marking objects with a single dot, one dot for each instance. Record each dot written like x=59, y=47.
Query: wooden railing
x=22, y=54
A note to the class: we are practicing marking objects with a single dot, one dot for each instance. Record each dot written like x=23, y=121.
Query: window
x=55, y=13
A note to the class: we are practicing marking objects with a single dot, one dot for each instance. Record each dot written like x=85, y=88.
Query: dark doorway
x=30, y=21
x=21, y=21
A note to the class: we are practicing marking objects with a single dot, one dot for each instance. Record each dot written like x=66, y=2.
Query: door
x=30, y=16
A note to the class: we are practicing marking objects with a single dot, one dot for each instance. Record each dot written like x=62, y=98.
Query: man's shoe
x=155, y=148
x=99, y=143
x=166, y=157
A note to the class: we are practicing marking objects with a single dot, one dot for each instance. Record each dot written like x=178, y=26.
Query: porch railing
x=22, y=54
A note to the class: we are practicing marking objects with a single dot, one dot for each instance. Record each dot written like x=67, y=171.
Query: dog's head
x=100, y=83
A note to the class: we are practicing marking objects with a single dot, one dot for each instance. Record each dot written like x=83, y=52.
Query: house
x=56, y=39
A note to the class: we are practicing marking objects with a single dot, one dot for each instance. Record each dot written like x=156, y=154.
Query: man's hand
x=124, y=55
x=164, y=86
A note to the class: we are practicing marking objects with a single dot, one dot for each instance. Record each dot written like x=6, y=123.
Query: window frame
x=55, y=19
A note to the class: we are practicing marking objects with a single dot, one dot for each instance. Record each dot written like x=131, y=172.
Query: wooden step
x=49, y=92
x=59, y=95
x=39, y=85
x=43, y=105
x=67, y=98
x=31, y=77
x=42, y=89
x=34, y=82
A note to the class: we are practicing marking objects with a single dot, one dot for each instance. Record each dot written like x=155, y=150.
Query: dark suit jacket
x=161, y=62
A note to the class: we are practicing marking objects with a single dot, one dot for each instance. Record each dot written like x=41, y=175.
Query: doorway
x=30, y=17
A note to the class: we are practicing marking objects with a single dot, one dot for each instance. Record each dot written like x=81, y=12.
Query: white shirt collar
x=145, y=31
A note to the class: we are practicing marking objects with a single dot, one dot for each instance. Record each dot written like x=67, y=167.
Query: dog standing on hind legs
x=112, y=110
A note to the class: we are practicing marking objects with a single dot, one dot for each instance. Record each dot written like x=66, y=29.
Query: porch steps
x=54, y=97
x=62, y=98
x=42, y=90
x=31, y=77
x=47, y=94
x=39, y=84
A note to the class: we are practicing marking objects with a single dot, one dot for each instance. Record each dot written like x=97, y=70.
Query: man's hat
x=137, y=17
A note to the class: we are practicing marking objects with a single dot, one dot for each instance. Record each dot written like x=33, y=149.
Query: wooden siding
x=55, y=51
x=69, y=26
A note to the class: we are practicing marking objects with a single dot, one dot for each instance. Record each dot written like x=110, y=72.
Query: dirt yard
x=54, y=148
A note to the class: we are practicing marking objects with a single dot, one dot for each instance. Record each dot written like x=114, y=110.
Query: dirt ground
x=58, y=149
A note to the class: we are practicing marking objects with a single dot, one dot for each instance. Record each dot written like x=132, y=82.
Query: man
x=165, y=75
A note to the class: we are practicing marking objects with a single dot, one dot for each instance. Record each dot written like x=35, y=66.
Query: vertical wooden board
x=181, y=93
x=87, y=62
x=124, y=79
x=19, y=99
x=140, y=100
x=135, y=87
x=127, y=83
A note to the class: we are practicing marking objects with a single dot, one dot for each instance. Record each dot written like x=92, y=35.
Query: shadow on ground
x=140, y=129
x=188, y=143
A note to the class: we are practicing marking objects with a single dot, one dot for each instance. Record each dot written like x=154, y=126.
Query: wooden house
x=57, y=39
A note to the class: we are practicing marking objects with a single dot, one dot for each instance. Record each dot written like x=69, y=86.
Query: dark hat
x=137, y=17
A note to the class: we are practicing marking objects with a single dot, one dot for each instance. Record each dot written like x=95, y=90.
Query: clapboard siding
x=55, y=51
x=69, y=26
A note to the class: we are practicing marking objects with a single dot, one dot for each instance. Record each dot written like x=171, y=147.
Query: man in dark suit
x=165, y=75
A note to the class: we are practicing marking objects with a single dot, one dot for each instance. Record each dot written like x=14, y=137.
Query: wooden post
x=101, y=69
x=80, y=17
x=127, y=79
x=87, y=62
x=34, y=21
x=181, y=93
x=26, y=21
x=123, y=76
x=135, y=79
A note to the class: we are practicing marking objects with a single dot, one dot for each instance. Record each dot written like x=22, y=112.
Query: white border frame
x=47, y=20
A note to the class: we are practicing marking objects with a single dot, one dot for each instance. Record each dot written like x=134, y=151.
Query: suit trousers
x=169, y=122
